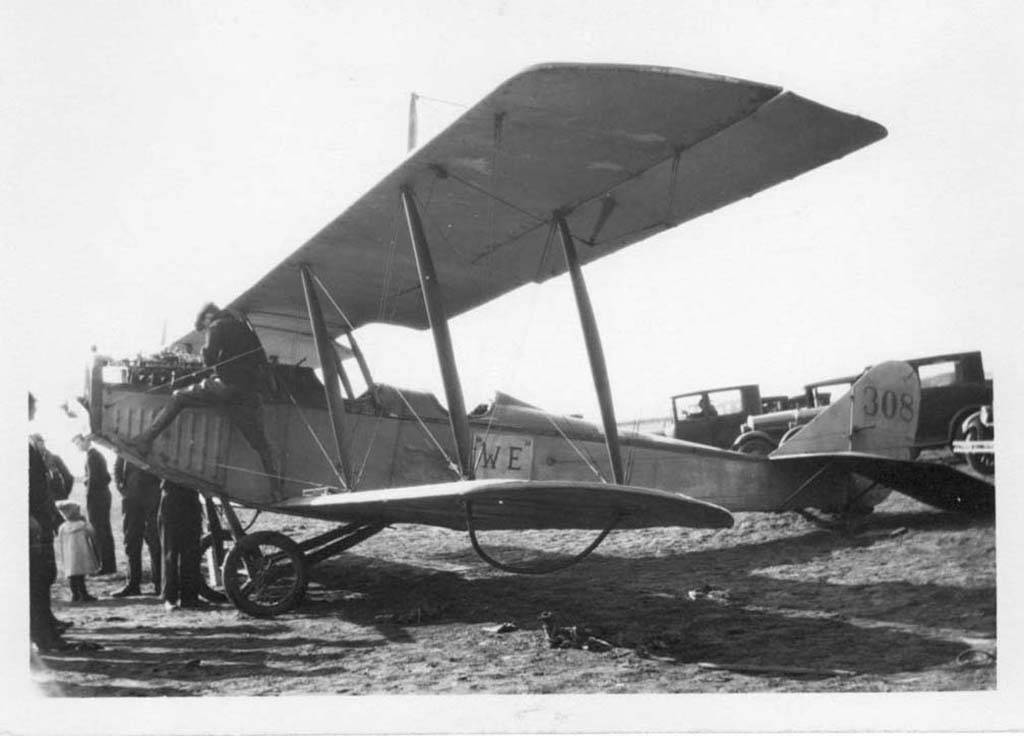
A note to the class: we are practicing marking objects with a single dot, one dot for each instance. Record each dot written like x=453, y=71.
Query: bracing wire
x=369, y=448
x=250, y=471
x=433, y=439
x=316, y=439
x=335, y=304
x=572, y=444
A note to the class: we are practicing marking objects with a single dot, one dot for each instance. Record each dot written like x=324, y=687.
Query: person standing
x=77, y=546
x=97, y=503
x=44, y=629
x=140, y=501
x=59, y=478
x=181, y=530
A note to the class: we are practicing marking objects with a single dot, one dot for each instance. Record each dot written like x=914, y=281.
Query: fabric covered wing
x=497, y=504
x=624, y=151
x=936, y=485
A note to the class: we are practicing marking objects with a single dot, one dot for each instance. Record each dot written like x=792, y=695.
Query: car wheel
x=756, y=446
x=980, y=462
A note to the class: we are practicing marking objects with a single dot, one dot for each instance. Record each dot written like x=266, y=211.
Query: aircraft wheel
x=756, y=446
x=980, y=462
x=211, y=581
x=265, y=574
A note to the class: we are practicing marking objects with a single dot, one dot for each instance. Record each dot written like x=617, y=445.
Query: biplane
x=560, y=165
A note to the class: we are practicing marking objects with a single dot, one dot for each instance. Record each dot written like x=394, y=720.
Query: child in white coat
x=76, y=549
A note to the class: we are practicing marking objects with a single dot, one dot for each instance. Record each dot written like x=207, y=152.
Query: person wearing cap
x=97, y=503
x=240, y=375
x=140, y=499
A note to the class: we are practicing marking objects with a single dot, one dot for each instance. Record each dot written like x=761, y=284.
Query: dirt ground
x=908, y=603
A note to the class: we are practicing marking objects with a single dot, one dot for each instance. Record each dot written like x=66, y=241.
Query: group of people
x=166, y=516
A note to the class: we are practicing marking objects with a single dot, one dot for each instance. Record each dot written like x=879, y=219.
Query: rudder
x=878, y=416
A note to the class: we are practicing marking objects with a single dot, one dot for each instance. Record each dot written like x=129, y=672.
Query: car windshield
x=937, y=374
x=826, y=393
x=710, y=404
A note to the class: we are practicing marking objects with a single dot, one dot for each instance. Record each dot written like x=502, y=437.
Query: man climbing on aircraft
x=240, y=374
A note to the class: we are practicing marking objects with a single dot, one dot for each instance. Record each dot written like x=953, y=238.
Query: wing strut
x=438, y=319
x=353, y=345
x=594, y=351
x=329, y=364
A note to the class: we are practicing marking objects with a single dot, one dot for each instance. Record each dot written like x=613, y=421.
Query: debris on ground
x=415, y=615
x=503, y=628
x=707, y=592
x=975, y=658
x=570, y=637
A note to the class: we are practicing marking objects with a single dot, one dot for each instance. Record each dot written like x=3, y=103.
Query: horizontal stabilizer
x=936, y=485
x=513, y=504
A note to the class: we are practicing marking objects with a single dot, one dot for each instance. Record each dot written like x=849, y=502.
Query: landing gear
x=213, y=549
x=265, y=574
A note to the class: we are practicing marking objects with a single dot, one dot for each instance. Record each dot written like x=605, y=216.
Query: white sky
x=157, y=155
x=160, y=155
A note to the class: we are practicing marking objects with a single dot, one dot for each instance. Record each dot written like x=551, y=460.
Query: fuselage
x=403, y=438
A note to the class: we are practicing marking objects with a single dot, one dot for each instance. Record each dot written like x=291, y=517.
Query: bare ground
x=908, y=603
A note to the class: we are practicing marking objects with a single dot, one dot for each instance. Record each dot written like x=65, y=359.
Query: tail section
x=878, y=416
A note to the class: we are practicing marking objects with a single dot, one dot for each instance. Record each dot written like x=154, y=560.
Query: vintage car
x=714, y=416
x=953, y=387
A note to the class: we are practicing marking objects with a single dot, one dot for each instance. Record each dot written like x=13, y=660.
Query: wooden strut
x=329, y=365
x=593, y=340
x=352, y=343
x=438, y=318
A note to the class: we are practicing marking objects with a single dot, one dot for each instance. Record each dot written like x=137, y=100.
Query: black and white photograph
x=512, y=367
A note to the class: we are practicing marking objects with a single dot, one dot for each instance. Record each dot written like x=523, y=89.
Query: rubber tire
x=213, y=595
x=756, y=446
x=980, y=462
x=235, y=574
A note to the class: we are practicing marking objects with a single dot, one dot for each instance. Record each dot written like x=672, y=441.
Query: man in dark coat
x=181, y=531
x=140, y=500
x=44, y=629
x=58, y=477
x=235, y=356
x=97, y=503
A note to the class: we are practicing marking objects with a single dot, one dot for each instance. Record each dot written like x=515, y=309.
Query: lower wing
x=931, y=483
x=513, y=504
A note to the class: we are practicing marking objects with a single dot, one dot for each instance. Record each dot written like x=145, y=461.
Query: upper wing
x=510, y=504
x=931, y=483
x=623, y=151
